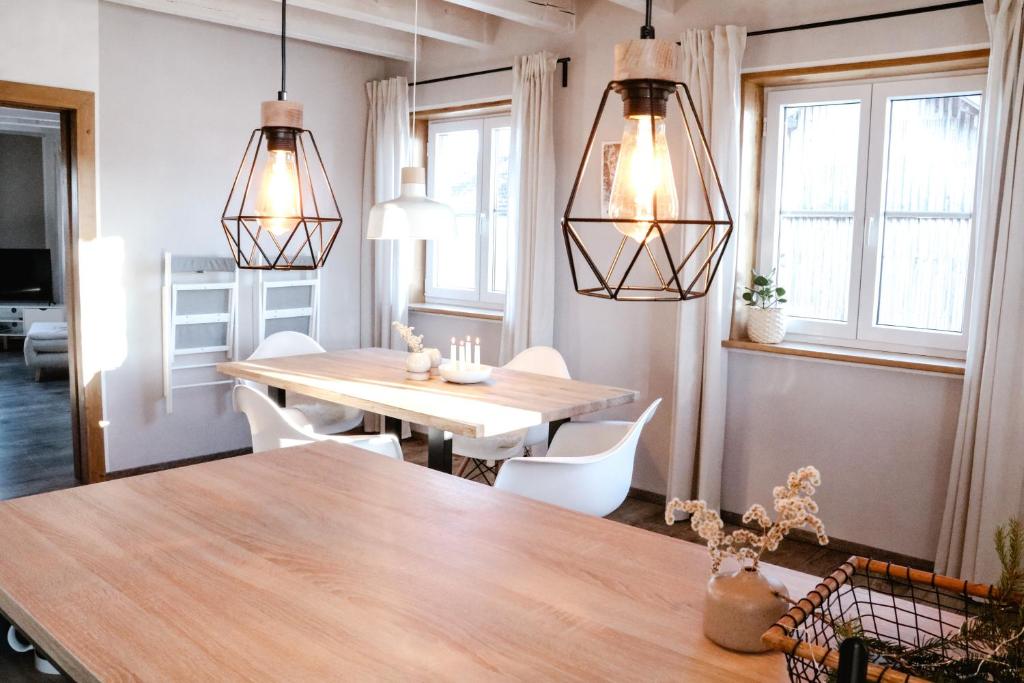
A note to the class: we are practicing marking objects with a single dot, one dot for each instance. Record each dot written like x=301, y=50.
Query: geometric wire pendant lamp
x=643, y=247
x=281, y=213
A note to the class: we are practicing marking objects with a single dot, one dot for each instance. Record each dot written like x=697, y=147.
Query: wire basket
x=905, y=606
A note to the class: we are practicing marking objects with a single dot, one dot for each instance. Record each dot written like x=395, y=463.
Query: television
x=25, y=276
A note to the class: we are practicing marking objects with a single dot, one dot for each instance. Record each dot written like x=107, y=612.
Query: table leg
x=439, y=450
x=277, y=395
x=392, y=425
x=553, y=427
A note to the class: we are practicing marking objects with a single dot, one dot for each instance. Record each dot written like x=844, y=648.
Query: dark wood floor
x=35, y=429
x=638, y=511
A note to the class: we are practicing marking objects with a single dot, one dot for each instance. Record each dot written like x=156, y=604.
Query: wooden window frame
x=77, y=109
x=753, y=111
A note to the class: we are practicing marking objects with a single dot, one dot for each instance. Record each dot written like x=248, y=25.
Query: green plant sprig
x=764, y=294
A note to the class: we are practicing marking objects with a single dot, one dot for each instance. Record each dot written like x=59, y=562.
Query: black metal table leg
x=392, y=425
x=439, y=451
x=553, y=427
x=277, y=395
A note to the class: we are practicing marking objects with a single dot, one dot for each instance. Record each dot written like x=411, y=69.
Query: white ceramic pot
x=740, y=607
x=417, y=365
x=766, y=325
x=43, y=665
x=435, y=360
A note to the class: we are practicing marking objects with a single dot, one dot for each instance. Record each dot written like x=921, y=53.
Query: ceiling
x=383, y=27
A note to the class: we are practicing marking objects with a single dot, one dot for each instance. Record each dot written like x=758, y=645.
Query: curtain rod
x=869, y=17
x=564, y=61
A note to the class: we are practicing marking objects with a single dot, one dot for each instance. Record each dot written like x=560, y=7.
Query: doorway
x=50, y=408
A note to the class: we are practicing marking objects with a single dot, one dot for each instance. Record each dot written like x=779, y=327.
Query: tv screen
x=25, y=276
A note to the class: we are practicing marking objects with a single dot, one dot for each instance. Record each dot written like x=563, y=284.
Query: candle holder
x=467, y=374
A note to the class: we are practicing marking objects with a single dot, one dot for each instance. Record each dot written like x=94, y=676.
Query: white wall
x=50, y=42
x=908, y=416
x=180, y=98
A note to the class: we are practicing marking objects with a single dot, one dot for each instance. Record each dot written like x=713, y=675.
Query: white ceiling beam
x=437, y=19
x=557, y=16
x=663, y=9
x=265, y=16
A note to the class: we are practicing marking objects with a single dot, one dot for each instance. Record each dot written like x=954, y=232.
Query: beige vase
x=766, y=325
x=740, y=607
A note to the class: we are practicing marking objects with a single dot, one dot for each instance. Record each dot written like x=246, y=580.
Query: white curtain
x=987, y=478
x=385, y=265
x=530, y=298
x=711, y=62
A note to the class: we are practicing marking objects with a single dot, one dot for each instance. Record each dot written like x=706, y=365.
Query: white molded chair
x=272, y=427
x=486, y=452
x=588, y=467
x=320, y=416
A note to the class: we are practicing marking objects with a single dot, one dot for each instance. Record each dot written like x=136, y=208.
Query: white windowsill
x=458, y=311
x=900, y=361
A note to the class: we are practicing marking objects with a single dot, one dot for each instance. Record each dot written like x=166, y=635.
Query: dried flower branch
x=794, y=507
x=414, y=341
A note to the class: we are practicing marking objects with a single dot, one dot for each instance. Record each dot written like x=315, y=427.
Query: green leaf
x=780, y=291
x=761, y=281
x=747, y=296
x=782, y=301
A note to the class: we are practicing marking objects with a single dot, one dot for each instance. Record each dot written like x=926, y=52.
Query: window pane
x=455, y=182
x=455, y=260
x=819, y=157
x=817, y=200
x=814, y=266
x=933, y=154
x=924, y=273
x=931, y=163
x=500, y=141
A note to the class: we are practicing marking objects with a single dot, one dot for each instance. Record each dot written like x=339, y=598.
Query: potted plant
x=740, y=605
x=766, y=319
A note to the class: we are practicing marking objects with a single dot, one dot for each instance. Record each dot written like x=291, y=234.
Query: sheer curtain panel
x=530, y=295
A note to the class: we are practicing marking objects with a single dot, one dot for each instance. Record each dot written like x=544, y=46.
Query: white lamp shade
x=412, y=215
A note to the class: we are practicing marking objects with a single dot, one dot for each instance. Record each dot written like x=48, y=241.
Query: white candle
x=453, y=356
x=476, y=352
x=462, y=353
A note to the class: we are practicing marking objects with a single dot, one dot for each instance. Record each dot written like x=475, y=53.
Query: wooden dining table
x=325, y=562
x=375, y=380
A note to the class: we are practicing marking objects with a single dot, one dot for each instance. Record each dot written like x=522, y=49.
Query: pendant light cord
x=282, y=94
x=415, y=73
x=647, y=30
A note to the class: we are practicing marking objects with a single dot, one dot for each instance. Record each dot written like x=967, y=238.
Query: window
x=468, y=169
x=868, y=210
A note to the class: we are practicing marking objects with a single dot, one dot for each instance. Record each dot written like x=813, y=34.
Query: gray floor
x=35, y=429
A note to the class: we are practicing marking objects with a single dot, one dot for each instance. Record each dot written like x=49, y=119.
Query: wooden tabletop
x=374, y=380
x=323, y=562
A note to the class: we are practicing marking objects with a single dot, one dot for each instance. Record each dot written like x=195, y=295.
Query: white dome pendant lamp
x=412, y=214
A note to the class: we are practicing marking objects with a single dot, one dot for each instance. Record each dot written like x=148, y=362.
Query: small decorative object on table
x=418, y=362
x=464, y=366
x=766, y=320
x=435, y=361
x=916, y=626
x=741, y=605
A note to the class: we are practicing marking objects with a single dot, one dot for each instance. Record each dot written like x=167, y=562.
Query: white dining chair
x=588, y=466
x=272, y=427
x=320, y=416
x=483, y=455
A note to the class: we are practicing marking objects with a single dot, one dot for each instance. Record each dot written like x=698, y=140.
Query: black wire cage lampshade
x=661, y=252
x=281, y=213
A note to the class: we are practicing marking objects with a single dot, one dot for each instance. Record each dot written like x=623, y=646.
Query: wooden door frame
x=77, y=109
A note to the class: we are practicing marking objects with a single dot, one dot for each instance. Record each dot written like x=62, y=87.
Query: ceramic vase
x=435, y=360
x=417, y=365
x=766, y=325
x=739, y=607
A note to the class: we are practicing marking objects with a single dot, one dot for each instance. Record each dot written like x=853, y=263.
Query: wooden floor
x=35, y=429
x=637, y=511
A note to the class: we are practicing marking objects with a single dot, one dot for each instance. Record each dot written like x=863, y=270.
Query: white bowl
x=465, y=374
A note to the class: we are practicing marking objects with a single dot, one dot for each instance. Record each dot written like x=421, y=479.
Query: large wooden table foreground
x=374, y=380
x=323, y=562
